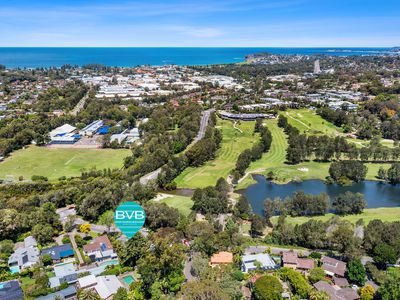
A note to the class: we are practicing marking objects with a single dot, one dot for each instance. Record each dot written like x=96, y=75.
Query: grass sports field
x=386, y=214
x=54, y=163
x=235, y=140
x=181, y=203
x=275, y=159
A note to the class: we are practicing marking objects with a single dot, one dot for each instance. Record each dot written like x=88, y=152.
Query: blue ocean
x=13, y=57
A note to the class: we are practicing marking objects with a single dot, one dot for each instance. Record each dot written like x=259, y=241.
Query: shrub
x=268, y=288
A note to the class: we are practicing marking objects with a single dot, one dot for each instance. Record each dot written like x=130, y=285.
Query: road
x=187, y=272
x=76, y=249
x=200, y=135
x=205, y=116
x=78, y=107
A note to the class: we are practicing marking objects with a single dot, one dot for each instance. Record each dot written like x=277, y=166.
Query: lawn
x=181, y=203
x=234, y=141
x=386, y=214
x=54, y=163
x=275, y=159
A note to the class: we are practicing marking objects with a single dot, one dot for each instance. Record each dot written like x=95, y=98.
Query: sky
x=206, y=23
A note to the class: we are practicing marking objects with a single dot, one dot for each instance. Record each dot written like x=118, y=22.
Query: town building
x=92, y=128
x=64, y=134
x=25, y=256
x=244, y=117
x=263, y=260
x=221, y=258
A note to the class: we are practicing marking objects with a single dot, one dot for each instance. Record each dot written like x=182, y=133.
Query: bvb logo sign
x=129, y=217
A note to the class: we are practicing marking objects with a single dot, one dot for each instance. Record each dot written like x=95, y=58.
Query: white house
x=107, y=286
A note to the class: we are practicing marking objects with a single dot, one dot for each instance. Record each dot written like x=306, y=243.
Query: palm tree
x=88, y=295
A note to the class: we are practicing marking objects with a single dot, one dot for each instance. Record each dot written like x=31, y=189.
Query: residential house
x=335, y=292
x=340, y=281
x=87, y=282
x=60, y=252
x=65, y=272
x=107, y=286
x=69, y=293
x=291, y=260
x=221, y=258
x=24, y=256
x=11, y=290
x=333, y=267
x=253, y=261
x=100, y=249
x=65, y=212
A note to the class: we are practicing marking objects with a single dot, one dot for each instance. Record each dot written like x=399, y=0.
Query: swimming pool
x=14, y=269
x=109, y=263
x=128, y=279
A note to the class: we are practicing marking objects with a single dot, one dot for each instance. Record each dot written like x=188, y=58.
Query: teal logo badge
x=129, y=217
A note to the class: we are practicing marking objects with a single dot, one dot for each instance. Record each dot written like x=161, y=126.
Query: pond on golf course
x=377, y=194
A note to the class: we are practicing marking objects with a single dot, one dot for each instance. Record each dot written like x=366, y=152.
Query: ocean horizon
x=45, y=57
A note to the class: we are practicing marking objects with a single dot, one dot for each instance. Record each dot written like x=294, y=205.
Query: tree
x=393, y=174
x=47, y=260
x=243, y=207
x=367, y=293
x=86, y=294
x=349, y=203
x=42, y=233
x=121, y=294
x=297, y=281
x=161, y=215
x=202, y=290
x=356, y=272
x=84, y=228
x=107, y=218
x=6, y=247
x=391, y=287
x=316, y=275
x=382, y=173
x=351, y=169
x=318, y=295
x=268, y=288
x=384, y=254
x=257, y=225
x=271, y=207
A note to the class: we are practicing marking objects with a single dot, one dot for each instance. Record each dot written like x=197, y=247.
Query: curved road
x=200, y=135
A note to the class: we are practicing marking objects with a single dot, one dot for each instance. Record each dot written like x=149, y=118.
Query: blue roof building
x=59, y=252
x=10, y=290
x=68, y=293
x=103, y=130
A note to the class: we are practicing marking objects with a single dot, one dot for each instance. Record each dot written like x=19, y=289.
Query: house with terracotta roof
x=221, y=258
x=333, y=267
x=291, y=260
x=100, y=249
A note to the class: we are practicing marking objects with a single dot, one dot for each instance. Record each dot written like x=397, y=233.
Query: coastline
x=45, y=57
